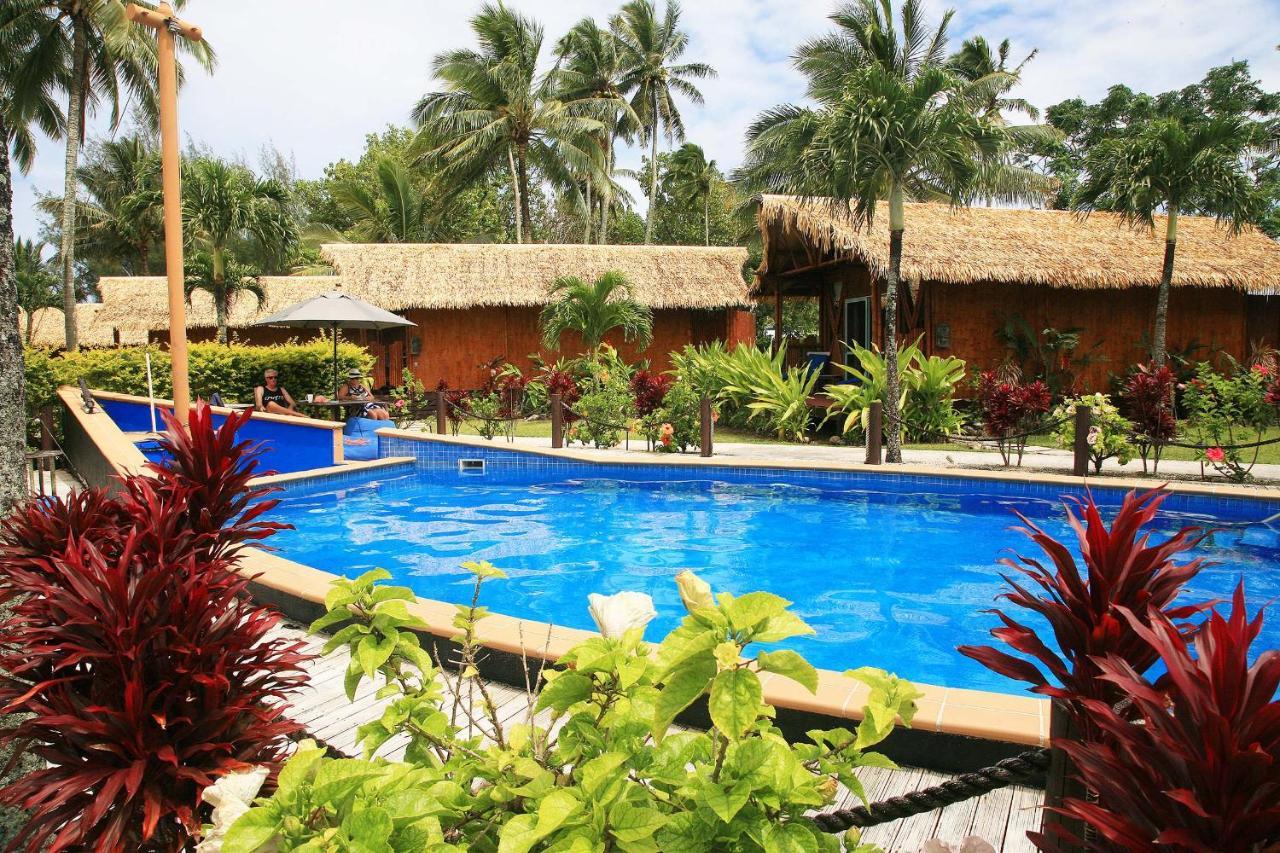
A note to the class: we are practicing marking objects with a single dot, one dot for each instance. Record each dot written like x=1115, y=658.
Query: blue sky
x=313, y=77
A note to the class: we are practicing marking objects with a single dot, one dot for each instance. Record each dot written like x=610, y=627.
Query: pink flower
x=668, y=430
x=1215, y=455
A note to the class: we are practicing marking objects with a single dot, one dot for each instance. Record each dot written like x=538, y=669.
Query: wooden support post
x=707, y=427
x=777, y=317
x=1059, y=781
x=168, y=29
x=1080, y=449
x=46, y=428
x=442, y=413
x=557, y=421
x=875, y=433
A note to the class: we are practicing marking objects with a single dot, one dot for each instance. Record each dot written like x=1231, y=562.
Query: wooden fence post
x=1059, y=781
x=557, y=421
x=1080, y=450
x=46, y=428
x=442, y=413
x=706, y=427
x=875, y=430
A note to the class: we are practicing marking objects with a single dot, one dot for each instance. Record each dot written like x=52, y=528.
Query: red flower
x=1215, y=455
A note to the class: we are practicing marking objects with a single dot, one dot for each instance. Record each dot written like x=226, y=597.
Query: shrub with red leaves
x=144, y=667
x=1148, y=401
x=649, y=391
x=1202, y=770
x=560, y=382
x=456, y=404
x=1010, y=408
x=1124, y=571
x=510, y=387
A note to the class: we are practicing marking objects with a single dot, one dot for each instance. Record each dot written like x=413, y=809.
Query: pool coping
x=1018, y=475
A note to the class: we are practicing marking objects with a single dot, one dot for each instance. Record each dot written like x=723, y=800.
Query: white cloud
x=313, y=77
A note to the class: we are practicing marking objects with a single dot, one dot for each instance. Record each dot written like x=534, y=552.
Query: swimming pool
x=891, y=571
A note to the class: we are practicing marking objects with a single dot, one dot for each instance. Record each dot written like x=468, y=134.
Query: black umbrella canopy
x=335, y=310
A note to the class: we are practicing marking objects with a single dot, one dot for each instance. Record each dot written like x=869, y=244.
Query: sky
x=314, y=77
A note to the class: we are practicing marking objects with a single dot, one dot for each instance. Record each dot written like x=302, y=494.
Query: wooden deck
x=1001, y=817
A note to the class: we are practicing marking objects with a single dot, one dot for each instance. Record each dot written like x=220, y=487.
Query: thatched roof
x=141, y=303
x=403, y=276
x=440, y=275
x=1004, y=245
x=48, y=330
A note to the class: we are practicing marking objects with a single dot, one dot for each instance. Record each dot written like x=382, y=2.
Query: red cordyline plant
x=560, y=382
x=455, y=401
x=141, y=664
x=1124, y=571
x=649, y=391
x=1202, y=771
x=1148, y=398
x=1010, y=409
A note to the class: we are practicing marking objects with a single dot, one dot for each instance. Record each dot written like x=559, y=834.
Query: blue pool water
x=890, y=573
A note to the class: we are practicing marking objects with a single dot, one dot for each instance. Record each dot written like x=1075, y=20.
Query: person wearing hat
x=354, y=389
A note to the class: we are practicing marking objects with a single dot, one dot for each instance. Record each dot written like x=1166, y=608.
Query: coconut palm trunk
x=144, y=256
x=75, y=127
x=892, y=383
x=653, y=176
x=515, y=189
x=590, y=214
x=220, y=295
x=13, y=427
x=606, y=196
x=522, y=172
x=706, y=219
x=1158, y=346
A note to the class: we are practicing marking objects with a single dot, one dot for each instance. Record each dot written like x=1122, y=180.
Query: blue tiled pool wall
x=439, y=460
x=286, y=447
x=336, y=480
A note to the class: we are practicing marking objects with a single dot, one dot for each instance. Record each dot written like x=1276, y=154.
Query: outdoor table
x=337, y=407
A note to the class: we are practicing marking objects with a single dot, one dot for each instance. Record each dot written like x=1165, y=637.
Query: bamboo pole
x=167, y=28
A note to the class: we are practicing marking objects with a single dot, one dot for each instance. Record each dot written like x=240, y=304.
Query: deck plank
x=1001, y=817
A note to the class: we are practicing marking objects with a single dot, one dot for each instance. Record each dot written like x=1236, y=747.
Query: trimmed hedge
x=232, y=371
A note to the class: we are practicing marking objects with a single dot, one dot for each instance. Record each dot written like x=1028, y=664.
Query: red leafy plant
x=560, y=382
x=143, y=670
x=455, y=401
x=1148, y=398
x=1202, y=770
x=1010, y=409
x=1125, y=572
x=649, y=391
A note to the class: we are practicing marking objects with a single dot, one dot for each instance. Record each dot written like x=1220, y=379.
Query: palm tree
x=890, y=122
x=222, y=202
x=593, y=310
x=398, y=212
x=120, y=218
x=975, y=62
x=651, y=48
x=591, y=66
x=1175, y=166
x=690, y=179
x=36, y=279
x=496, y=109
x=90, y=50
x=224, y=283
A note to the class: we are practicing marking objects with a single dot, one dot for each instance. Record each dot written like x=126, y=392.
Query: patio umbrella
x=334, y=311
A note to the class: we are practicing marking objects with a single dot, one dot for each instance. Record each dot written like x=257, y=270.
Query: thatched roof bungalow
x=472, y=303
x=49, y=332
x=968, y=272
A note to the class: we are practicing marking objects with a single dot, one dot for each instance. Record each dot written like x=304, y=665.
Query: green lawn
x=542, y=429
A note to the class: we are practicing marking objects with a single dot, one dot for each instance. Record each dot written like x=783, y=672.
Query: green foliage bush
x=927, y=400
x=1225, y=410
x=232, y=371
x=754, y=387
x=605, y=772
x=1109, y=435
x=676, y=425
x=605, y=410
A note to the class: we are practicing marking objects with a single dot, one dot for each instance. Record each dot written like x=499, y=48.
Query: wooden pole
x=707, y=431
x=875, y=430
x=442, y=413
x=167, y=28
x=1080, y=448
x=777, y=318
x=557, y=421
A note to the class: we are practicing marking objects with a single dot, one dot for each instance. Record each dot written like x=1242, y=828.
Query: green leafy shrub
x=676, y=425
x=1224, y=411
x=605, y=413
x=233, y=370
x=755, y=388
x=605, y=772
x=486, y=411
x=927, y=401
x=1109, y=434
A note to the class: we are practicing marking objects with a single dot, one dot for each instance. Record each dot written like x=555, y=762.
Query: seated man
x=272, y=397
x=354, y=389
